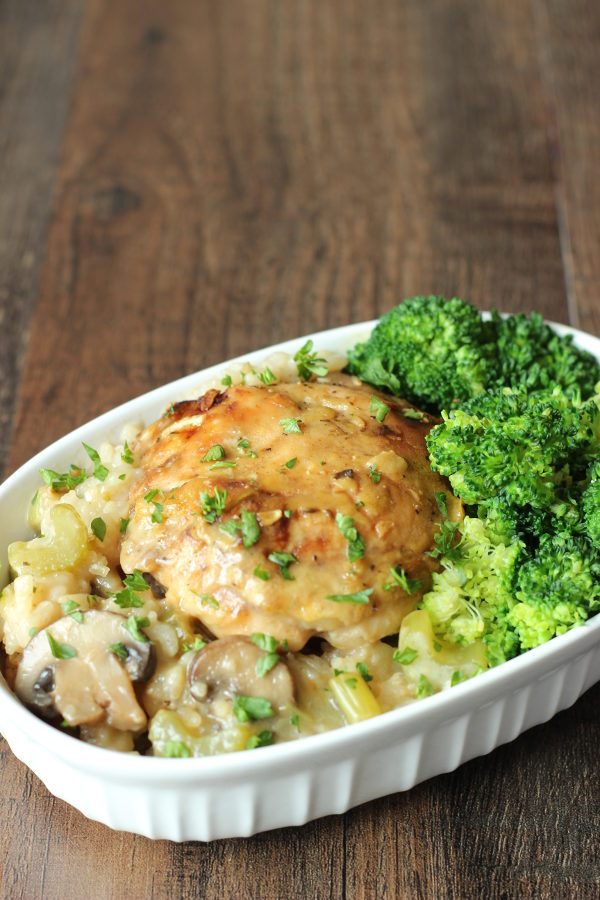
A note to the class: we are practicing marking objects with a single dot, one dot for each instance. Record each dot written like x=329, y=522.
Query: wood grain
x=38, y=44
x=235, y=174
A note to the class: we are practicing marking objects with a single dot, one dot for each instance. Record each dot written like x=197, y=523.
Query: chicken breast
x=281, y=509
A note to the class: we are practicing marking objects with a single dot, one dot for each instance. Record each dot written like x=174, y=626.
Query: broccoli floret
x=516, y=451
x=590, y=503
x=430, y=350
x=531, y=354
x=558, y=588
x=472, y=596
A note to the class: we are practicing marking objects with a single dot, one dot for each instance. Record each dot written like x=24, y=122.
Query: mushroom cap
x=92, y=682
x=228, y=666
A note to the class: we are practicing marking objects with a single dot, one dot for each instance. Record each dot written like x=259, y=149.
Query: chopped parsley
x=265, y=641
x=98, y=527
x=213, y=506
x=123, y=523
x=65, y=482
x=406, y=656
x=100, y=470
x=351, y=682
x=71, y=608
x=424, y=687
x=437, y=646
x=198, y=644
x=119, y=649
x=284, y=560
x=262, y=739
x=400, y=579
x=363, y=670
x=207, y=600
x=149, y=497
x=267, y=376
x=444, y=542
x=411, y=413
x=250, y=528
x=127, y=455
x=291, y=463
x=309, y=364
x=356, y=545
x=261, y=573
x=457, y=677
x=226, y=380
x=375, y=475
x=378, y=407
x=295, y=721
x=214, y=452
x=136, y=582
x=358, y=597
x=442, y=502
x=266, y=663
x=291, y=426
x=252, y=708
x=133, y=625
x=223, y=464
x=177, y=750
x=60, y=651
x=157, y=512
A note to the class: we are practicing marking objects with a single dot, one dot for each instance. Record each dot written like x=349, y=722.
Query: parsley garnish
x=262, y=739
x=291, y=426
x=66, y=481
x=223, y=464
x=127, y=455
x=214, y=452
x=149, y=497
x=291, y=463
x=207, y=600
x=413, y=413
x=213, y=506
x=358, y=597
x=375, y=475
x=264, y=641
x=309, y=364
x=363, y=671
x=406, y=656
x=119, y=650
x=378, y=407
x=136, y=582
x=457, y=677
x=351, y=682
x=123, y=523
x=356, y=545
x=133, y=625
x=198, y=644
x=261, y=573
x=247, y=708
x=157, y=512
x=177, y=750
x=267, y=376
x=71, y=608
x=98, y=527
x=60, y=651
x=444, y=542
x=226, y=380
x=266, y=663
x=284, y=560
x=100, y=470
x=400, y=579
x=295, y=721
x=424, y=687
x=442, y=502
x=250, y=528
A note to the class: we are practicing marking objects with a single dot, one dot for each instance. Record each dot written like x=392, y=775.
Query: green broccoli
x=428, y=350
x=473, y=594
x=556, y=589
x=590, y=502
x=515, y=450
x=531, y=354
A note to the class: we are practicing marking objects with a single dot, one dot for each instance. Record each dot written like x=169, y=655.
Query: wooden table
x=185, y=181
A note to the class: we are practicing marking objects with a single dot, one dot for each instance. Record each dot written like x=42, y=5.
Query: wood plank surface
x=238, y=173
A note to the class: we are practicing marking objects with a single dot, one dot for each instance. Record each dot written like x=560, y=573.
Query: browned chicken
x=282, y=509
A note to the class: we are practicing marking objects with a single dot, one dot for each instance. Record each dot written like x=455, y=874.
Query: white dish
x=288, y=784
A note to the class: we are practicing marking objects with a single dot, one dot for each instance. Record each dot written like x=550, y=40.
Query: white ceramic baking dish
x=288, y=784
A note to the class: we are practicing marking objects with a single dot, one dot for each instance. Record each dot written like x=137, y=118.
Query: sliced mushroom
x=82, y=671
x=228, y=666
